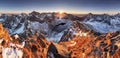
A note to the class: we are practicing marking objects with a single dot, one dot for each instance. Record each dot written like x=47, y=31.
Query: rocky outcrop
x=58, y=51
x=34, y=46
x=104, y=46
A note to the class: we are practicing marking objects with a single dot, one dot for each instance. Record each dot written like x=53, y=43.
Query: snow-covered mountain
x=51, y=25
x=103, y=23
x=59, y=27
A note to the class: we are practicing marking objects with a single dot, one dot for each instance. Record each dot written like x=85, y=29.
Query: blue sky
x=70, y=6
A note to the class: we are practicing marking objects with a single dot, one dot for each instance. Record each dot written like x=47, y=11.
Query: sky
x=69, y=6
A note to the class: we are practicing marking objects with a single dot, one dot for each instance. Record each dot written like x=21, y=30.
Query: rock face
x=58, y=51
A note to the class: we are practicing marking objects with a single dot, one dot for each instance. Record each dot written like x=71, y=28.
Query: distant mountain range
x=54, y=28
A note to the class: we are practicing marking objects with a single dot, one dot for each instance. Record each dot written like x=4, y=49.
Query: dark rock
x=58, y=51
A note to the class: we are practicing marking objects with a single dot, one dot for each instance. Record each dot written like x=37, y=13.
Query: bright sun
x=60, y=12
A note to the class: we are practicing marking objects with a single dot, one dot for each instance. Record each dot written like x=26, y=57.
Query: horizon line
x=56, y=12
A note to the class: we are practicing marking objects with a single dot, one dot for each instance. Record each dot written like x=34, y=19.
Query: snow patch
x=73, y=43
x=55, y=37
x=1, y=41
x=36, y=26
x=16, y=36
x=1, y=20
x=20, y=30
x=11, y=53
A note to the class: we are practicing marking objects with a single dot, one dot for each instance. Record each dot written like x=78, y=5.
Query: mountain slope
x=103, y=23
